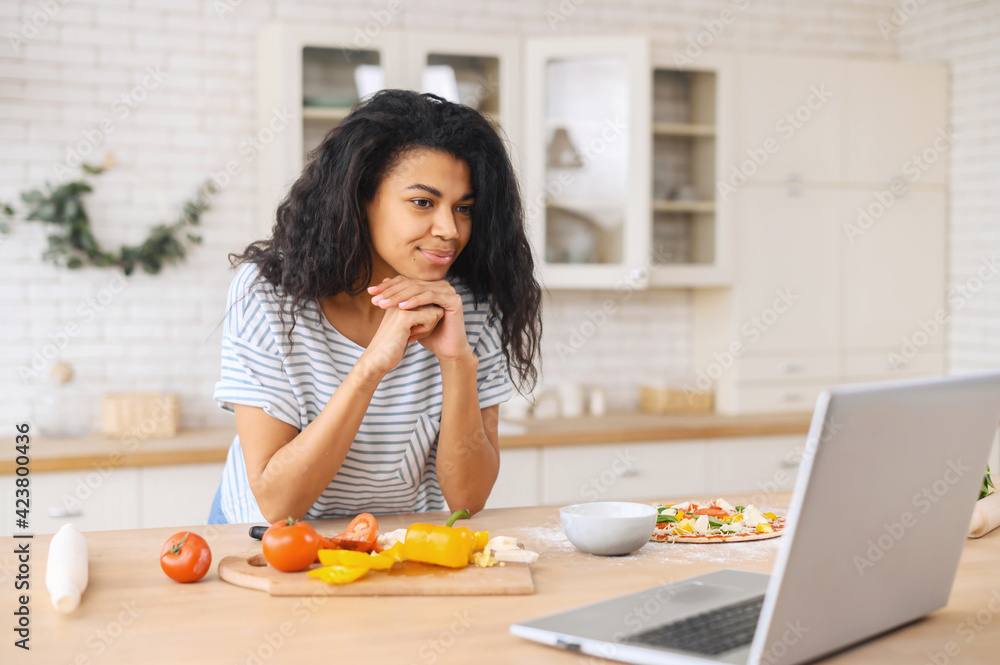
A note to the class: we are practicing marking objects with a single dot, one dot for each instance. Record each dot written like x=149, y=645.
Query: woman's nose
x=444, y=224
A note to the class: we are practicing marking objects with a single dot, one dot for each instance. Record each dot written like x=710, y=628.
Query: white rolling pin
x=66, y=569
x=986, y=516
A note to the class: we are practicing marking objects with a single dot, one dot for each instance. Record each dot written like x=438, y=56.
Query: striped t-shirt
x=390, y=467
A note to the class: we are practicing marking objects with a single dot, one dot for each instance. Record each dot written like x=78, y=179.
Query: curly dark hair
x=321, y=242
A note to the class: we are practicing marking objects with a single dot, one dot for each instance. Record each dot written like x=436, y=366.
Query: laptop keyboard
x=711, y=633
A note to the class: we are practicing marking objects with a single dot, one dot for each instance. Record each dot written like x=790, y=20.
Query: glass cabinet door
x=587, y=160
x=309, y=77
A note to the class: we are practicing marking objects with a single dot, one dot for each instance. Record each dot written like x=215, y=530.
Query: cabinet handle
x=789, y=396
x=65, y=512
x=789, y=368
x=638, y=275
x=790, y=176
x=629, y=473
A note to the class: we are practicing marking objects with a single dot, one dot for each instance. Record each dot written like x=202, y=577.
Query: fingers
x=408, y=295
x=392, y=292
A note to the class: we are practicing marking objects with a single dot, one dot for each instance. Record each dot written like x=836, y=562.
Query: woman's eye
x=466, y=210
x=419, y=201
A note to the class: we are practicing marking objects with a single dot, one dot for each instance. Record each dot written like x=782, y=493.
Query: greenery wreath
x=73, y=245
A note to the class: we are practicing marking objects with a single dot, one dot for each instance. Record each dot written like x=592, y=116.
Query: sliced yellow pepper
x=381, y=561
x=764, y=527
x=770, y=516
x=345, y=558
x=395, y=552
x=684, y=527
x=339, y=574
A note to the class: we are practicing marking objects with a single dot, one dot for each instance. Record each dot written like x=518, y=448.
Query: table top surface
x=132, y=613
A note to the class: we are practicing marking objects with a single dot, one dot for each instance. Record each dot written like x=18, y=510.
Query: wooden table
x=132, y=613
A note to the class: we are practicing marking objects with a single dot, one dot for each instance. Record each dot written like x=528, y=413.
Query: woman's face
x=421, y=216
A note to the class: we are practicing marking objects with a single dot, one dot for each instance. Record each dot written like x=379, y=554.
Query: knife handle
x=257, y=532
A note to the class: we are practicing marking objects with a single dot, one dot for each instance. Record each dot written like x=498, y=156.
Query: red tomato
x=290, y=545
x=363, y=527
x=361, y=535
x=185, y=557
x=711, y=511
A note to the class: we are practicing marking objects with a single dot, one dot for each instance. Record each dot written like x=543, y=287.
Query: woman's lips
x=438, y=258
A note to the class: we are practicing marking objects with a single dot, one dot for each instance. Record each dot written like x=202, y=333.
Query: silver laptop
x=877, y=522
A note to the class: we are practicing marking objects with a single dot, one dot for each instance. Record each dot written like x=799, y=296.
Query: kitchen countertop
x=132, y=613
x=211, y=445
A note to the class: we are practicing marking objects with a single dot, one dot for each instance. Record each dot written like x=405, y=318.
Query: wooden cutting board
x=406, y=578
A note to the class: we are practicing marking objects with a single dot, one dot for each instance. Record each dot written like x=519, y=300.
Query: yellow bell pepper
x=443, y=545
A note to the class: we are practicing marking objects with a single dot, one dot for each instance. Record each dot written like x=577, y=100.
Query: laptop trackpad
x=691, y=594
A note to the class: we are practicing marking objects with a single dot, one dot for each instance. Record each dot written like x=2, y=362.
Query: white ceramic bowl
x=608, y=527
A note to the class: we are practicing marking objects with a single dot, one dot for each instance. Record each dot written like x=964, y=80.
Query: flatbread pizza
x=715, y=522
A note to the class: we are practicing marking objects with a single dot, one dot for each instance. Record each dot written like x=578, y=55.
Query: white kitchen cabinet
x=757, y=466
x=306, y=79
x=836, y=218
x=693, y=112
x=894, y=272
x=795, y=105
x=487, y=71
x=310, y=72
x=587, y=158
x=98, y=499
x=891, y=132
x=625, y=471
x=518, y=481
x=786, y=298
x=177, y=495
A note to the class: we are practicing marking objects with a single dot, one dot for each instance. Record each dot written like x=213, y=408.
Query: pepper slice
x=339, y=574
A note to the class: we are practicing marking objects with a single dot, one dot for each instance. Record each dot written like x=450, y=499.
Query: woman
x=406, y=226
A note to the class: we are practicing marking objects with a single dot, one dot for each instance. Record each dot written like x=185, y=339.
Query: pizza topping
x=715, y=520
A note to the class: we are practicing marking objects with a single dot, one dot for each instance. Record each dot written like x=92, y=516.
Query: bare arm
x=468, y=457
x=289, y=469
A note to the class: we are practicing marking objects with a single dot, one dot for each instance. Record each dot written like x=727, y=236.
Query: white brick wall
x=162, y=332
x=966, y=34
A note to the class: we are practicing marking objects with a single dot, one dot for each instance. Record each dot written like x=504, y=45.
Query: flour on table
x=550, y=540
